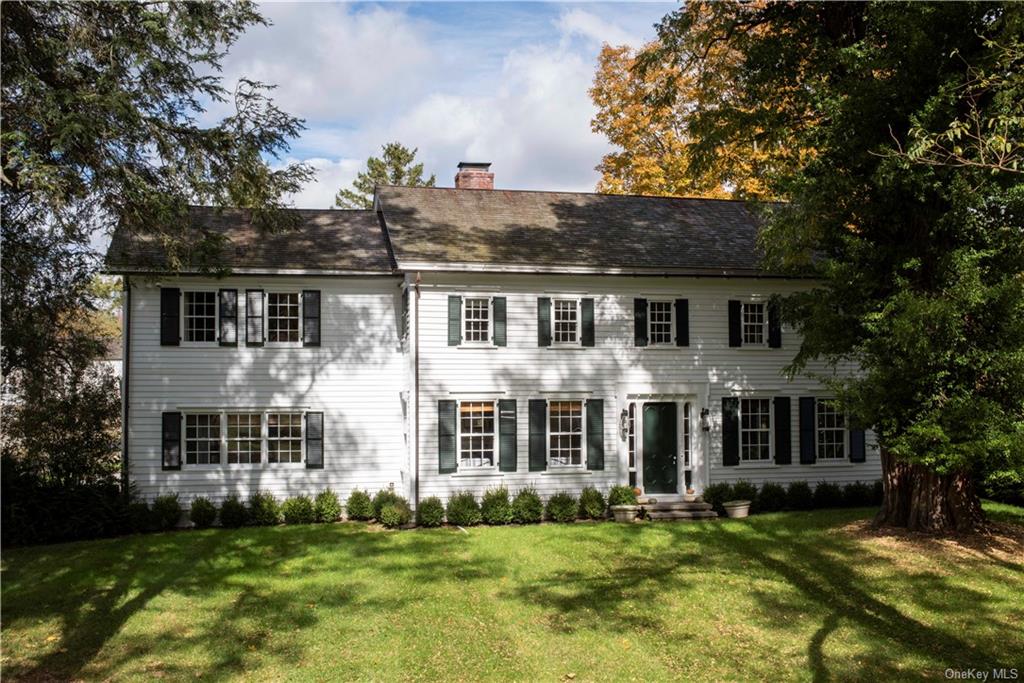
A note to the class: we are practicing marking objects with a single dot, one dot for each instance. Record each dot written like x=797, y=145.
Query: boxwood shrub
x=856, y=494
x=718, y=493
x=622, y=495
x=166, y=511
x=771, y=497
x=203, y=513
x=395, y=514
x=385, y=497
x=495, y=506
x=430, y=512
x=827, y=495
x=527, y=507
x=359, y=506
x=327, y=507
x=562, y=507
x=264, y=510
x=298, y=510
x=591, y=504
x=140, y=517
x=463, y=510
x=744, y=490
x=877, y=492
x=233, y=513
x=800, y=496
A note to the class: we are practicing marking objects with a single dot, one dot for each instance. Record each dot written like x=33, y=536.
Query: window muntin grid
x=202, y=438
x=476, y=434
x=755, y=429
x=565, y=433
x=244, y=438
x=284, y=437
x=753, y=323
x=477, y=320
x=283, y=317
x=566, y=317
x=831, y=429
x=200, y=316
x=659, y=322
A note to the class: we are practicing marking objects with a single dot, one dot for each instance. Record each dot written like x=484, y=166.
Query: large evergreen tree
x=395, y=166
x=910, y=212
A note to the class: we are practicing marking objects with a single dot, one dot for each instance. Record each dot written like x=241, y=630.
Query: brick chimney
x=474, y=176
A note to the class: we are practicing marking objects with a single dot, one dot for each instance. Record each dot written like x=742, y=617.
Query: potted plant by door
x=622, y=501
x=690, y=495
x=737, y=509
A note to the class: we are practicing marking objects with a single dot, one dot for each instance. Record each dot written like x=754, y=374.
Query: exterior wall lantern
x=624, y=424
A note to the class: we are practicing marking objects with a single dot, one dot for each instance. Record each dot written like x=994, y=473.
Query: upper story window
x=755, y=429
x=245, y=438
x=754, y=323
x=660, y=322
x=284, y=437
x=831, y=430
x=566, y=318
x=565, y=433
x=202, y=438
x=200, y=316
x=283, y=317
x=476, y=320
x=476, y=434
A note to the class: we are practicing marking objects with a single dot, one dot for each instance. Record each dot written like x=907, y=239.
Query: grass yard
x=800, y=596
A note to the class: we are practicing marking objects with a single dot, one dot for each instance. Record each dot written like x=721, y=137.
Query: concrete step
x=681, y=514
x=677, y=505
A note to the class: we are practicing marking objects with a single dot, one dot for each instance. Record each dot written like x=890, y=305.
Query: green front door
x=660, y=448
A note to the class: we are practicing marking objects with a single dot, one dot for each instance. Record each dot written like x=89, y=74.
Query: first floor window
x=831, y=428
x=245, y=438
x=659, y=321
x=566, y=321
x=476, y=434
x=753, y=323
x=565, y=429
x=477, y=320
x=284, y=437
x=202, y=438
x=282, y=317
x=200, y=316
x=755, y=429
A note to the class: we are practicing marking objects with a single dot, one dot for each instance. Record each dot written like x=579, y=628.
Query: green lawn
x=801, y=596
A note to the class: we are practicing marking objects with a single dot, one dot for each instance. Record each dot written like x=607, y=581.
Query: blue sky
x=499, y=82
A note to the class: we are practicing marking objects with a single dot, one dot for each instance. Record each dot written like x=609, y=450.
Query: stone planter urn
x=737, y=509
x=624, y=513
x=690, y=496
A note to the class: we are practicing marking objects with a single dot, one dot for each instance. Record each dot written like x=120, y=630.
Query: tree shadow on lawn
x=96, y=596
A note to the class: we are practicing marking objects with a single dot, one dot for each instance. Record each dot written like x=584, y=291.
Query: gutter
x=126, y=348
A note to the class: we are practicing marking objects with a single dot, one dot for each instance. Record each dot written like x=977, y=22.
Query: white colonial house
x=465, y=338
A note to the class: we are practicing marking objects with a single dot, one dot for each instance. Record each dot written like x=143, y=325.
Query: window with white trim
x=476, y=320
x=565, y=316
x=283, y=317
x=755, y=429
x=476, y=433
x=202, y=438
x=284, y=437
x=565, y=433
x=754, y=323
x=245, y=438
x=659, y=322
x=200, y=316
x=831, y=430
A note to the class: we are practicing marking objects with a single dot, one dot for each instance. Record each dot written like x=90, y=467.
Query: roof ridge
x=583, y=194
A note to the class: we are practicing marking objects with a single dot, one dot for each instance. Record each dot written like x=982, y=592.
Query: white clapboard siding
x=522, y=371
x=356, y=378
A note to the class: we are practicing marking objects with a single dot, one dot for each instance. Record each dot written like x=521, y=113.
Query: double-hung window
x=660, y=322
x=476, y=433
x=476, y=320
x=200, y=319
x=283, y=317
x=831, y=430
x=566, y=321
x=755, y=322
x=202, y=438
x=245, y=438
x=284, y=437
x=565, y=433
x=755, y=429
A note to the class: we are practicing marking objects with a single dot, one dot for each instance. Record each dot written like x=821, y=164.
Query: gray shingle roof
x=328, y=240
x=548, y=230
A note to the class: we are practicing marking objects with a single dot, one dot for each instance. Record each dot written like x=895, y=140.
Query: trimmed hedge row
x=262, y=509
x=799, y=495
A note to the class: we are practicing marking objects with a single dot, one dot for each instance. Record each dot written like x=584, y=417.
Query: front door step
x=682, y=514
x=679, y=510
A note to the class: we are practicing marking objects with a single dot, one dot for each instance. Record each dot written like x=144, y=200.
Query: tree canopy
x=396, y=166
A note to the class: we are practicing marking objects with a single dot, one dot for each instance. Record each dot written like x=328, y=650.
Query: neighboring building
x=454, y=339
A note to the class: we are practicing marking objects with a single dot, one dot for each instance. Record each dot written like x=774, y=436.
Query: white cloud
x=331, y=176
x=578, y=22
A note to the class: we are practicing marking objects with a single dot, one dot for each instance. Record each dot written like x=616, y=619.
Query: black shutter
x=507, y=435
x=498, y=304
x=454, y=320
x=807, y=454
x=543, y=321
x=446, y=454
x=314, y=441
x=783, y=442
x=682, y=322
x=254, y=317
x=730, y=431
x=595, y=434
x=587, y=319
x=774, y=326
x=170, y=314
x=171, y=429
x=857, y=446
x=640, y=322
x=735, y=313
x=311, y=317
x=229, y=317
x=538, y=435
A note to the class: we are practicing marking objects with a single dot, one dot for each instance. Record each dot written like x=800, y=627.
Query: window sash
x=565, y=433
x=284, y=315
x=565, y=321
x=660, y=322
x=830, y=428
x=754, y=323
x=199, y=316
x=202, y=438
x=477, y=433
x=244, y=438
x=477, y=320
x=755, y=429
x=284, y=437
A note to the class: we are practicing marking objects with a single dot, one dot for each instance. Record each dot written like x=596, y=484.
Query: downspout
x=416, y=391
x=126, y=347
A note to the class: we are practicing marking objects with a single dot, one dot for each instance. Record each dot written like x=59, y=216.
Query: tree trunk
x=919, y=499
